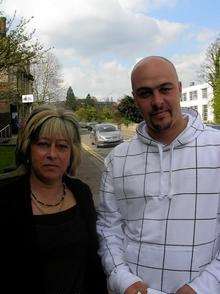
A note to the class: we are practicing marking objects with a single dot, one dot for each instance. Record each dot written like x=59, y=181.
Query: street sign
x=27, y=98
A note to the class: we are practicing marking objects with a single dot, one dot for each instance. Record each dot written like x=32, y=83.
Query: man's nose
x=157, y=98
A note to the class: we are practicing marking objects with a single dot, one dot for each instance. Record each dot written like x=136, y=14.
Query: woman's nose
x=52, y=150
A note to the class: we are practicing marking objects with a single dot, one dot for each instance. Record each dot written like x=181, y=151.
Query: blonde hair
x=49, y=121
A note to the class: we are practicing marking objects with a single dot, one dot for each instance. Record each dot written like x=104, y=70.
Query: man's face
x=157, y=91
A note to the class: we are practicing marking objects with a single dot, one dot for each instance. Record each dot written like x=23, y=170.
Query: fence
x=5, y=133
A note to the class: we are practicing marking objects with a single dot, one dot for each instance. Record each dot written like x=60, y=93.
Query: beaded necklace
x=33, y=195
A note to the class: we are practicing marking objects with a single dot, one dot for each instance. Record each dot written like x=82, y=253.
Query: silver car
x=106, y=134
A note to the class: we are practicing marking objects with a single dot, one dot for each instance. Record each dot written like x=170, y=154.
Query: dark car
x=106, y=134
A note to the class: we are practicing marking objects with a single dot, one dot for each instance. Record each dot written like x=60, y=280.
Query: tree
x=17, y=47
x=47, y=84
x=105, y=113
x=90, y=101
x=129, y=111
x=88, y=113
x=71, y=99
x=211, y=74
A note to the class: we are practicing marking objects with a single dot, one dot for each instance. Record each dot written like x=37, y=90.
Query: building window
x=184, y=97
x=193, y=95
x=204, y=93
x=195, y=107
x=205, y=112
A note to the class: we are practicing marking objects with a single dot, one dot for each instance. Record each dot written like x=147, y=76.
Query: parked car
x=106, y=134
x=91, y=124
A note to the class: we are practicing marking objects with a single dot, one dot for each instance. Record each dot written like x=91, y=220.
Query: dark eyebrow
x=149, y=88
x=166, y=84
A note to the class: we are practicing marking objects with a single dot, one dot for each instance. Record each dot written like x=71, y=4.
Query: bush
x=129, y=111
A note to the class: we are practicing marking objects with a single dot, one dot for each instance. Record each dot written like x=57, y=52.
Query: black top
x=62, y=241
x=62, y=247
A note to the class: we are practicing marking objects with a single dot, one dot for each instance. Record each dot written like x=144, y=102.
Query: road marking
x=93, y=153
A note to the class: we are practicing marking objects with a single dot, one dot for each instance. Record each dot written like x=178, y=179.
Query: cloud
x=97, y=27
x=105, y=80
x=97, y=42
x=206, y=35
x=189, y=67
x=146, y=5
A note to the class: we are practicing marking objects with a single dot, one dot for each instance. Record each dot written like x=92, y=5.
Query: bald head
x=150, y=62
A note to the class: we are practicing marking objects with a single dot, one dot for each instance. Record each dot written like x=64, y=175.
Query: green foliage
x=129, y=111
x=104, y=114
x=125, y=112
x=90, y=101
x=88, y=113
x=17, y=47
x=211, y=74
x=91, y=113
x=71, y=101
x=216, y=103
x=7, y=157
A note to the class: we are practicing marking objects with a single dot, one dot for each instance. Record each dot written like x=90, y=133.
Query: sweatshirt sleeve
x=209, y=279
x=111, y=235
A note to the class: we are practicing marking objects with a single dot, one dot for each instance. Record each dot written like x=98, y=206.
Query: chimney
x=2, y=26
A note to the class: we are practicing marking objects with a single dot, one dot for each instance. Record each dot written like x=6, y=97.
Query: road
x=91, y=167
x=102, y=151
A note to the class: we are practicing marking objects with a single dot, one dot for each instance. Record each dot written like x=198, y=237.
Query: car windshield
x=106, y=128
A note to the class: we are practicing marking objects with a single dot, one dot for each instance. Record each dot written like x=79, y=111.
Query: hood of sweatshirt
x=193, y=129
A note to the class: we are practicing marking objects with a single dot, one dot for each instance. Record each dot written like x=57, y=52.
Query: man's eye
x=144, y=93
x=165, y=90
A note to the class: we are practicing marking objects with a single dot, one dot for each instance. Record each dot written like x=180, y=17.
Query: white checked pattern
x=159, y=212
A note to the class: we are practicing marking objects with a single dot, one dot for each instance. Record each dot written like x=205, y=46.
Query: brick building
x=15, y=81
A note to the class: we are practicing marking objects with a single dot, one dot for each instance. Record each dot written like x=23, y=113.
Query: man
x=158, y=220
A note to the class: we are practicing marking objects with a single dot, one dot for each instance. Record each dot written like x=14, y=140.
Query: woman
x=49, y=242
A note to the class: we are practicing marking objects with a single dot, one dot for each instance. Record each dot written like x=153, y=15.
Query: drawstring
x=170, y=183
x=161, y=194
x=170, y=192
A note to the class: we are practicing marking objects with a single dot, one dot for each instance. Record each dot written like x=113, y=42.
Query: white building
x=199, y=97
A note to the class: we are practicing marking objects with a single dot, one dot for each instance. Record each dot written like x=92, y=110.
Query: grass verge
x=7, y=157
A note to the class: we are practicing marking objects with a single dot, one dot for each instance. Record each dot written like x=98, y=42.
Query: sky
x=97, y=42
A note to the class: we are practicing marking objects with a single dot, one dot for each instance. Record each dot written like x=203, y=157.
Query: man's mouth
x=159, y=114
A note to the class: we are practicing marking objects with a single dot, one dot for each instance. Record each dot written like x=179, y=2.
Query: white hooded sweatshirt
x=159, y=212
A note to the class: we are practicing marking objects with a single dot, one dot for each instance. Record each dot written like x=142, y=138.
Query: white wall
x=199, y=101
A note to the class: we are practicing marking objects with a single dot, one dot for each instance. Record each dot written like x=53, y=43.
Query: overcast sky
x=97, y=42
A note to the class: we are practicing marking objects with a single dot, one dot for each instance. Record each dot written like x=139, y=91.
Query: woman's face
x=50, y=158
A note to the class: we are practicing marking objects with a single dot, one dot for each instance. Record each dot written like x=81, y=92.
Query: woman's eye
x=43, y=144
x=63, y=146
